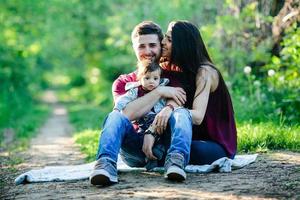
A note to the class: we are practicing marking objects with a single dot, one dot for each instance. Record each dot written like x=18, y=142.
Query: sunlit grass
x=266, y=136
x=87, y=120
x=252, y=137
x=87, y=141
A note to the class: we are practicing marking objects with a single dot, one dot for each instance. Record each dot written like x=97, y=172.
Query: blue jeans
x=118, y=136
x=180, y=124
x=206, y=152
x=195, y=152
x=118, y=133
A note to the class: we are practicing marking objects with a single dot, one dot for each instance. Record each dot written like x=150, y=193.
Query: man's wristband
x=171, y=106
x=151, y=132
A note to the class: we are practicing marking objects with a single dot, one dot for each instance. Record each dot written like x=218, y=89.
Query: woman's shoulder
x=205, y=73
x=207, y=70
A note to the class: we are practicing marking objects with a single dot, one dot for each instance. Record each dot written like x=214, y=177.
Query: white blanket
x=80, y=172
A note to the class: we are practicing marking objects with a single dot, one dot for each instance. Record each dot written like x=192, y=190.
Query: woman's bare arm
x=205, y=83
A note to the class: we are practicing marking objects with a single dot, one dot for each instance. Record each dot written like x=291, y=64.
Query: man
x=118, y=133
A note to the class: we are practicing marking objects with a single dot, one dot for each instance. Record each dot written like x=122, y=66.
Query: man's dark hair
x=146, y=66
x=145, y=28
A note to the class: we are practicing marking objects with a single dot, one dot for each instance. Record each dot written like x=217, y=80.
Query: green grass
x=87, y=120
x=84, y=116
x=26, y=126
x=252, y=137
x=268, y=136
x=88, y=143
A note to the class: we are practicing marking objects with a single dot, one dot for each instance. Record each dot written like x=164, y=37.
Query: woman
x=208, y=103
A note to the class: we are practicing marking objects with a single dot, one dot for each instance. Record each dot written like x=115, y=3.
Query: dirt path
x=274, y=175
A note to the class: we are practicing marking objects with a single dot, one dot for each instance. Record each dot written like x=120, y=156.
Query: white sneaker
x=102, y=177
x=104, y=173
x=175, y=173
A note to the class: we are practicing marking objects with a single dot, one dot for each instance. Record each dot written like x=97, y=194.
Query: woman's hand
x=175, y=93
x=147, y=146
x=160, y=121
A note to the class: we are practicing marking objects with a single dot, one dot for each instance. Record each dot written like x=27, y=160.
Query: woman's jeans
x=119, y=136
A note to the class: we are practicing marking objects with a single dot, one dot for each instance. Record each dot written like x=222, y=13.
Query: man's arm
x=122, y=101
x=118, y=86
x=142, y=105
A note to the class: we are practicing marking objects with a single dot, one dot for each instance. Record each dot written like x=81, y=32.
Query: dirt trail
x=274, y=175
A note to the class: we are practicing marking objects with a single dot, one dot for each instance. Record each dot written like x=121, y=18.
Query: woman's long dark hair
x=189, y=53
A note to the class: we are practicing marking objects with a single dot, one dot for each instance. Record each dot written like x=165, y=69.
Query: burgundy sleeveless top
x=214, y=127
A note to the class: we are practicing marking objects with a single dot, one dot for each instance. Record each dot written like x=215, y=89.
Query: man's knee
x=115, y=117
x=180, y=114
x=117, y=114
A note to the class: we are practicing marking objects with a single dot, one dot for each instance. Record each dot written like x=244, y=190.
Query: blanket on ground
x=81, y=172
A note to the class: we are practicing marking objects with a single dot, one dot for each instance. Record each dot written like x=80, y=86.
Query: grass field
x=252, y=137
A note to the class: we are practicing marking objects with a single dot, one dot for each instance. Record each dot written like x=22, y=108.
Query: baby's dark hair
x=146, y=66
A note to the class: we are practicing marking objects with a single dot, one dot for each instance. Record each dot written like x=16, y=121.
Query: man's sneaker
x=175, y=173
x=104, y=173
x=174, y=167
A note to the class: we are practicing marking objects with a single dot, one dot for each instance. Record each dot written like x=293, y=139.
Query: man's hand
x=175, y=93
x=160, y=121
x=147, y=146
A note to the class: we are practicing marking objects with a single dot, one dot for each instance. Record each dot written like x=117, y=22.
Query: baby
x=148, y=76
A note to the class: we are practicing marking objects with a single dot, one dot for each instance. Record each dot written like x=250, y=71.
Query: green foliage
x=27, y=125
x=19, y=55
x=284, y=81
x=236, y=39
x=103, y=38
x=84, y=116
x=271, y=92
x=236, y=35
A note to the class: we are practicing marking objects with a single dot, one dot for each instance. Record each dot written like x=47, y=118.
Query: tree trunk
x=289, y=14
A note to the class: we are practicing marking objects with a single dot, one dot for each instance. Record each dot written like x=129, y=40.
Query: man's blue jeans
x=119, y=134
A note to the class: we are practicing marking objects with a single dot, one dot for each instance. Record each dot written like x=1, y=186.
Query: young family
x=174, y=110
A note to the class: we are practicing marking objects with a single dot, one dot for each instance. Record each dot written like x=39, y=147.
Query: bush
x=284, y=75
